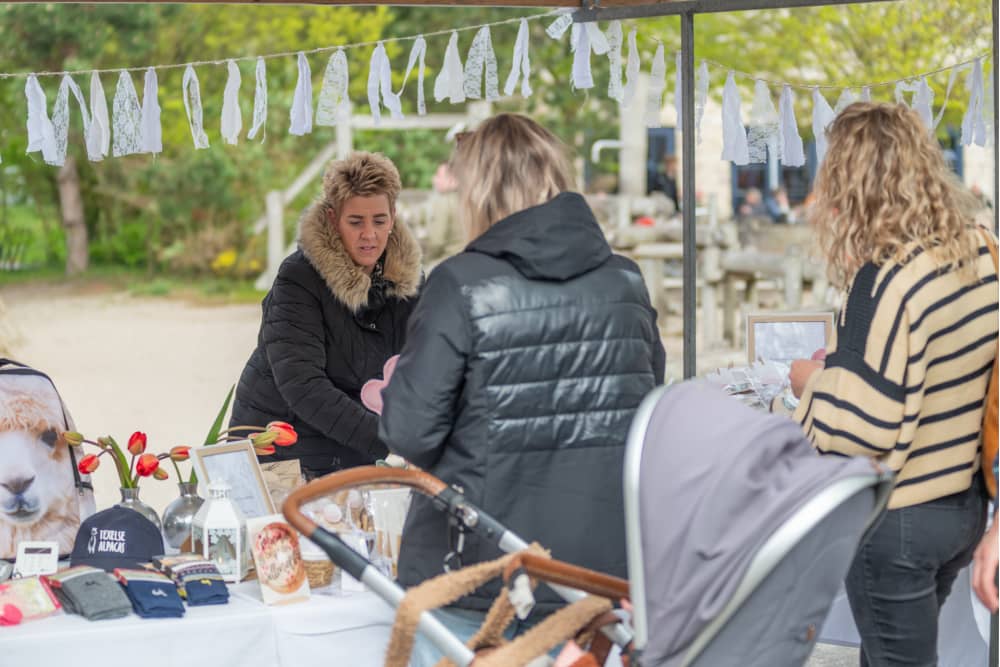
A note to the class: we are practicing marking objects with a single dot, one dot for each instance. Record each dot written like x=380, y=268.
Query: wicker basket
x=319, y=572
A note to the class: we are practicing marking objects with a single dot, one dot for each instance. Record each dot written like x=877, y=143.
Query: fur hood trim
x=323, y=247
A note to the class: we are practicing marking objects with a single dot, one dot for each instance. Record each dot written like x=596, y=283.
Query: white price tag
x=36, y=558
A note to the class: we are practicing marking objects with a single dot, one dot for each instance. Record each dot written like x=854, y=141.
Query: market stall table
x=326, y=630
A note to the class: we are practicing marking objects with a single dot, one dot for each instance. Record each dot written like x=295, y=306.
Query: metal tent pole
x=690, y=271
x=996, y=130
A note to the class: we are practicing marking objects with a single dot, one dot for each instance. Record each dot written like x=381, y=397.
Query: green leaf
x=213, y=433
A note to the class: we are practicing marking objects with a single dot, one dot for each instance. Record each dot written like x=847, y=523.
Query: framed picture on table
x=236, y=464
x=784, y=337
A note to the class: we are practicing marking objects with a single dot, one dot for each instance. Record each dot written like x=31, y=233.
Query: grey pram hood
x=717, y=479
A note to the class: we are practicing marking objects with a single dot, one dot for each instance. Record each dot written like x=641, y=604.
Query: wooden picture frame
x=783, y=337
x=249, y=492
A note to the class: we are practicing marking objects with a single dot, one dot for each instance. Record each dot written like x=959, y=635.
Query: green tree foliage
x=185, y=206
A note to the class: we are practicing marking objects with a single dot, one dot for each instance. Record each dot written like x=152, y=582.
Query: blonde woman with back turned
x=525, y=360
x=905, y=380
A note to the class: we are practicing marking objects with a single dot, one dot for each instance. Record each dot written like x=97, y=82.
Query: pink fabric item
x=371, y=392
x=11, y=615
x=819, y=355
x=570, y=653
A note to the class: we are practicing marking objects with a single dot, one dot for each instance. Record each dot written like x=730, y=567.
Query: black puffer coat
x=325, y=331
x=526, y=358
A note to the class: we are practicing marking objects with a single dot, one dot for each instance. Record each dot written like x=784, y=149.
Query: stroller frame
x=447, y=499
x=771, y=553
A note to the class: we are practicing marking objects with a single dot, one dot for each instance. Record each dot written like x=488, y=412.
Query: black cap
x=116, y=537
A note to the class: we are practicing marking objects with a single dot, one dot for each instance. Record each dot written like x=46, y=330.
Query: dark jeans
x=903, y=573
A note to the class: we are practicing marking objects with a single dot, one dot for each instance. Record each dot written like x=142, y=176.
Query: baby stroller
x=738, y=536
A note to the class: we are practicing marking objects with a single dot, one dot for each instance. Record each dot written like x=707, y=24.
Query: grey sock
x=90, y=592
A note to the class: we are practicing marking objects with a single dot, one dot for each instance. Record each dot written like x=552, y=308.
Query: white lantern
x=219, y=533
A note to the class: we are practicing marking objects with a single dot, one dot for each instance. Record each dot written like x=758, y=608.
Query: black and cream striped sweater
x=906, y=377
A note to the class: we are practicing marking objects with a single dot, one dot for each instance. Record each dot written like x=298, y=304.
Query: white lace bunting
x=60, y=116
x=790, y=145
x=259, y=102
x=301, y=115
x=334, y=101
x=481, y=55
x=41, y=134
x=866, y=93
x=762, y=137
x=151, y=138
x=99, y=137
x=615, y=90
x=700, y=98
x=231, y=122
x=846, y=99
x=632, y=66
x=417, y=53
x=823, y=115
x=558, y=27
x=449, y=83
x=380, y=85
x=580, y=45
x=522, y=63
x=734, y=134
x=657, y=84
x=191, y=94
x=126, y=118
x=973, y=125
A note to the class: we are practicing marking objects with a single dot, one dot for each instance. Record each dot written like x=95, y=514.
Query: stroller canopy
x=717, y=479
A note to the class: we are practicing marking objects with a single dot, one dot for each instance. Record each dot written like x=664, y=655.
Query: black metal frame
x=687, y=9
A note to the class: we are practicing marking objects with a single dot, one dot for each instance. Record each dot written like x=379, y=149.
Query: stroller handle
x=351, y=478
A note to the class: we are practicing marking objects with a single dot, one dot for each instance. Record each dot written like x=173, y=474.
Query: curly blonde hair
x=883, y=190
x=360, y=174
x=507, y=164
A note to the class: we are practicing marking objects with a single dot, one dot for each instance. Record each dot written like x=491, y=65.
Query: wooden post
x=275, y=234
x=792, y=270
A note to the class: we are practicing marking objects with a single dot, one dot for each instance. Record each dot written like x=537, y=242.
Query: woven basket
x=319, y=572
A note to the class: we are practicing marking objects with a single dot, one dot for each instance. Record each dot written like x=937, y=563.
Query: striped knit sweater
x=905, y=379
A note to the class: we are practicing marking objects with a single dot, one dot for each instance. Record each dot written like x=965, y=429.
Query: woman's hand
x=801, y=371
x=984, y=569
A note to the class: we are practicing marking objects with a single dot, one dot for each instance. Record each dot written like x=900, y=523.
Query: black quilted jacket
x=525, y=360
x=326, y=329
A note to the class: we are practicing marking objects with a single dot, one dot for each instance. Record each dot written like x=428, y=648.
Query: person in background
x=444, y=235
x=777, y=205
x=753, y=205
x=666, y=181
x=337, y=311
x=906, y=378
x=526, y=358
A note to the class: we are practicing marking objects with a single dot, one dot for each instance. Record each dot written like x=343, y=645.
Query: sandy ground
x=163, y=366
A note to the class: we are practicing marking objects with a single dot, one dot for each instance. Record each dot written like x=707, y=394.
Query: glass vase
x=179, y=513
x=130, y=499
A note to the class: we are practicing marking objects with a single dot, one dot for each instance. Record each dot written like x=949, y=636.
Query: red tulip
x=160, y=473
x=88, y=464
x=286, y=434
x=267, y=450
x=180, y=453
x=146, y=465
x=137, y=443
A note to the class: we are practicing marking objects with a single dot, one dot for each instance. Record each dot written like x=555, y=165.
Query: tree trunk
x=71, y=204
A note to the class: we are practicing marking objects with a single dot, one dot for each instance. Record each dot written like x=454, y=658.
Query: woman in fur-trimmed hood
x=337, y=311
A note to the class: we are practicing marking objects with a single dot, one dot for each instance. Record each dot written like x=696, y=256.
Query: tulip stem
x=177, y=468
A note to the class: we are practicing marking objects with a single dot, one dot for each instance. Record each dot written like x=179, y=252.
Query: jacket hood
x=323, y=247
x=557, y=240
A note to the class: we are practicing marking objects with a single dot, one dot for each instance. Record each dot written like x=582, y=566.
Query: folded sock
x=90, y=592
x=200, y=583
x=152, y=594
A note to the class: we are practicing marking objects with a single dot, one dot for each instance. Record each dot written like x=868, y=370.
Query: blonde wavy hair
x=883, y=190
x=507, y=164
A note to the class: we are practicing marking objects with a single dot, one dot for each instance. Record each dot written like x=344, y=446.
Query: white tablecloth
x=326, y=630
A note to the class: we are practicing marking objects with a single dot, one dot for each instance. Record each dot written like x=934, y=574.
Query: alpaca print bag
x=42, y=494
